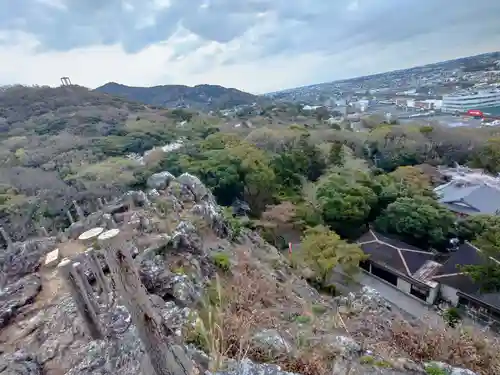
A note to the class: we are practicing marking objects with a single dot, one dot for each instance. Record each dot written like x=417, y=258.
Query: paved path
x=406, y=303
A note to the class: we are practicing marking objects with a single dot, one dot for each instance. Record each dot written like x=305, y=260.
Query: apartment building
x=463, y=101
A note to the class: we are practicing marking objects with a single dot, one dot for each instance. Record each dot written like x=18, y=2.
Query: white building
x=463, y=101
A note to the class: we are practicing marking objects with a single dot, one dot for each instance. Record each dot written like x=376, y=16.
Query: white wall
x=449, y=294
x=433, y=292
x=404, y=285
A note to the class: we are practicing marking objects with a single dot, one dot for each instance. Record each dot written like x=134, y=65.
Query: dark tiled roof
x=451, y=275
x=393, y=253
x=416, y=260
x=466, y=254
x=385, y=255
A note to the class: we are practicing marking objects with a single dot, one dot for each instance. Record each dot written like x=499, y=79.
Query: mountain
x=201, y=97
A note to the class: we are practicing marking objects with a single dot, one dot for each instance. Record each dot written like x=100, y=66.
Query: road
x=406, y=303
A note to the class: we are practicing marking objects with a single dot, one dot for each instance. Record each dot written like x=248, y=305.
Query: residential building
x=416, y=272
x=406, y=267
x=470, y=192
x=466, y=100
x=457, y=289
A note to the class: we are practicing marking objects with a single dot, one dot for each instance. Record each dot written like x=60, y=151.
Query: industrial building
x=488, y=101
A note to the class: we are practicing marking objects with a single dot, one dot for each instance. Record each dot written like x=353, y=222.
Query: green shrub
x=367, y=360
x=435, y=370
x=318, y=309
x=452, y=317
x=222, y=261
x=303, y=319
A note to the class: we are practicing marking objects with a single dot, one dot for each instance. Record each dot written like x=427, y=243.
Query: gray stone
x=270, y=340
x=20, y=363
x=247, y=367
x=16, y=295
x=160, y=181
x=199, y=190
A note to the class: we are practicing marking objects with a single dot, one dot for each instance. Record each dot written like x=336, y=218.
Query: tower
x=65, y=81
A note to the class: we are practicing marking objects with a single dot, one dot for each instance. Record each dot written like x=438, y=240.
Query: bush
x=452, y=317
x=435, y=370
x=222, y=261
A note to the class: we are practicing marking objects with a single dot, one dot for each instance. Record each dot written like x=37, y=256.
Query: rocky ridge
x=181, y=239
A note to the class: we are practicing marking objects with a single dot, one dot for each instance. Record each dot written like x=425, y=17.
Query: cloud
x=255, y=45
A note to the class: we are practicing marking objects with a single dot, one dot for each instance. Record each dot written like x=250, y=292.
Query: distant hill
x=201, y=97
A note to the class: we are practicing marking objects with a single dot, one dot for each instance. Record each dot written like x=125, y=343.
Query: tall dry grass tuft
x=463, y=347
x=240, y=305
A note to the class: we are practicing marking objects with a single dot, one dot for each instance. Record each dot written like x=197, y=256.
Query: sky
x=253, y=45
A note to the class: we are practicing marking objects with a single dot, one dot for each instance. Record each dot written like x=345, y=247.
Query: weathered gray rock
x=20, y=363
x=160, y=181
x=137, y=197
x=212, y=214
x=344, y=345
x=448, y=369
x=182, y=192
x=159, y=280
x=199, y=190
x=185, y=237
x=271, y=341
x=76, y=229
x=16, y=295
x=24, y=258
x=247, y=367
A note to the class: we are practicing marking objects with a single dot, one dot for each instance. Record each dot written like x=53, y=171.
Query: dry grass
x=391, y=336
x=461, y=346
x=248, y=303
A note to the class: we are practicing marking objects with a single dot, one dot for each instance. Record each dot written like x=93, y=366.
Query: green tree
x=345, y=203
x=489, y=156
x=487, y=274
x=323, y=250
x=473, y=226
x=336, y=154
x=419, y=220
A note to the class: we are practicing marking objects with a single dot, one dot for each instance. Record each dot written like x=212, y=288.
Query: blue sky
x=254, y=45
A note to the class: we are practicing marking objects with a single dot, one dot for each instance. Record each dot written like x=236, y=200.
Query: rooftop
x=470, y=191
x=399, y=256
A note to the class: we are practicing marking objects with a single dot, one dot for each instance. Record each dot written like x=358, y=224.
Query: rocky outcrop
x=24, y=258
x=16, y=295
x=177, y=228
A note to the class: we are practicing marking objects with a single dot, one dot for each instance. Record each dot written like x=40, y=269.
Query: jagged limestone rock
x=24, y=257
x=160, y=181
x=271, y=341
x=199, y=190
x=20, y=363
x=16, y=295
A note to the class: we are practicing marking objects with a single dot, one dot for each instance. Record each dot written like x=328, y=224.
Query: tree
x=345, y=203
x=489, y=157
x=278, y=221
x=419, y=220
x=474, y=226
x=335, y=155
x=413, y=180
x=323, y=250
x=487, y=274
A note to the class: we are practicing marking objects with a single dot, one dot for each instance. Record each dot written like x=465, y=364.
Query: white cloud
x=254, y=45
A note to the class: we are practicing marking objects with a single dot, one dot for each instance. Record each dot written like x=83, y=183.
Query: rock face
x=24, y=258
x=16, y=295
x=19, y=363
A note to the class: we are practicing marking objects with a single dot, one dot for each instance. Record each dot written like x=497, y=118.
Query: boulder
x=160, y=181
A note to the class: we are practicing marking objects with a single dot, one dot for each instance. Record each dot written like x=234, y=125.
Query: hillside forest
x=310, y=179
